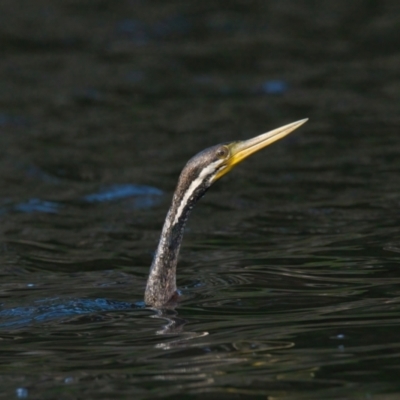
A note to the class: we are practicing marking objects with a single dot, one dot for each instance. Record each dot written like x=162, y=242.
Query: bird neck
x=161, y=284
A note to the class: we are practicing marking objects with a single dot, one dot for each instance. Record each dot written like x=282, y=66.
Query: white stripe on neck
x=193, y=186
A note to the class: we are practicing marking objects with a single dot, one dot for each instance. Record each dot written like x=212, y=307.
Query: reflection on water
x=289, y=269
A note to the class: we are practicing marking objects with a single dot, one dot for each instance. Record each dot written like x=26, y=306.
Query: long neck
x=194, y=181
x=161, y=284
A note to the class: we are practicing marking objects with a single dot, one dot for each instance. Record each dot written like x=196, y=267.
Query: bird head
x=211, y=164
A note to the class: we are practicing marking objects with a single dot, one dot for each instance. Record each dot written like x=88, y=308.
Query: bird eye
x=222, y=152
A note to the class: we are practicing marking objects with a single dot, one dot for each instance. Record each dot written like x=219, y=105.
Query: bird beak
x=241, y=150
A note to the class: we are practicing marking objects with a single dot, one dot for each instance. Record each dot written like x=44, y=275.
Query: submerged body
x=197, y=176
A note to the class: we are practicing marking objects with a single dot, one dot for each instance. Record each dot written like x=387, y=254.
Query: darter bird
x=197, y=176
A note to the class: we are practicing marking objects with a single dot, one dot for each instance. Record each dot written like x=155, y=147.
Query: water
x=289, y=270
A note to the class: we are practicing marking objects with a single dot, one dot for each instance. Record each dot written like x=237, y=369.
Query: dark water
x=290, y=268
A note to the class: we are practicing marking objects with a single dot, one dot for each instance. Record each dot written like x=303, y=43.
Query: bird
x=200, y=172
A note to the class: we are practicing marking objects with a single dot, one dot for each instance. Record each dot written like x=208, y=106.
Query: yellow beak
x=241, y=150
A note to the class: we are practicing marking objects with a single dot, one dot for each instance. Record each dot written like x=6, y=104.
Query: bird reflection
x=174, y=326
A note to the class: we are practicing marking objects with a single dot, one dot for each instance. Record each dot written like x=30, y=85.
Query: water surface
x=289, y=270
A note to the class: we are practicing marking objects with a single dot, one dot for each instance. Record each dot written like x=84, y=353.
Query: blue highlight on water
x=37, y=205
x=21, y=393
x=144, y=196
x=117, y=192
x=276, y=86
x=52, y=309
